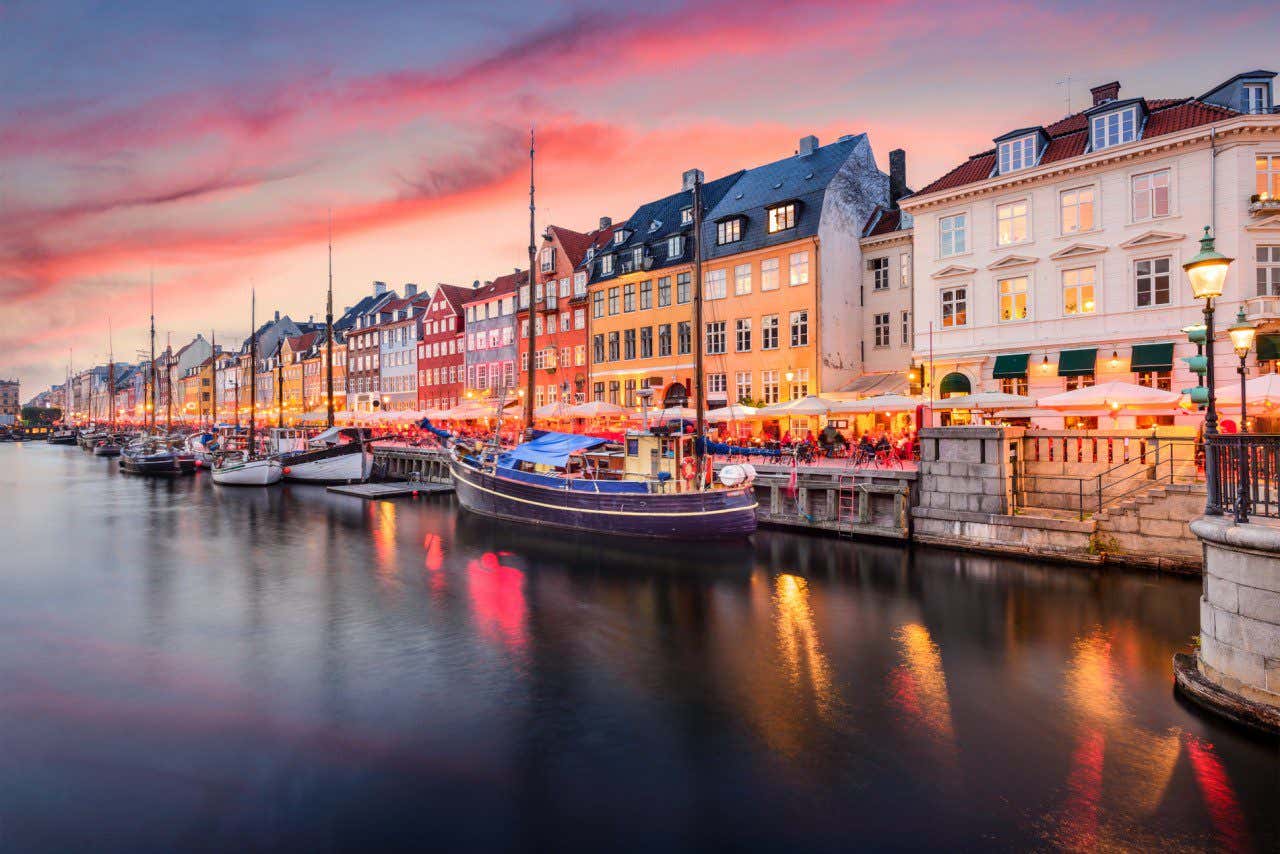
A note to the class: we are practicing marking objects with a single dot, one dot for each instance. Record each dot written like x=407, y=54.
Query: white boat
x=241, y=470
x=339, y=455
x=197, y=445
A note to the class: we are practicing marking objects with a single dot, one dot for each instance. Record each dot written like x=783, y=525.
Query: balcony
x=1263, y=307
x=1262, y=204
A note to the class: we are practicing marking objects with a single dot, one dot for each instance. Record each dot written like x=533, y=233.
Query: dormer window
x=1115, y=128
x=728, y=231
x=1255, y=98
x=606, y=264
x=675, y=246
x=782, y=217
x=1017, y=154
x=637, y=256
x=686, y=216
x=620, y=237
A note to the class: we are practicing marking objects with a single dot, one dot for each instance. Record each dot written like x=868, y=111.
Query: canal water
x=189, y=667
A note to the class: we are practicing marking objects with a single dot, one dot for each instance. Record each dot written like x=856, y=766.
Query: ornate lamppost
x=1242, y=337
x=1207, y=273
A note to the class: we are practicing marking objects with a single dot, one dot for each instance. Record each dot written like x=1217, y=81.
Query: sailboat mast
x=699, y=393
x=111, y=378
x=328, y=347
x=530, y=379
x=213, y=391
x=280, y=383
x=168, y=382
x=253, y=366
x=151, y=365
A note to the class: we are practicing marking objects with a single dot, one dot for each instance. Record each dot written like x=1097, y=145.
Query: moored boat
x=63, y=436
x=242, y=469
x=338, y=455
x=149, y=457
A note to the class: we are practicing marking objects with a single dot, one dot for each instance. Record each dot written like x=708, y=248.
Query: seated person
x=865, y=445
x=883, y=444
x=830, y=439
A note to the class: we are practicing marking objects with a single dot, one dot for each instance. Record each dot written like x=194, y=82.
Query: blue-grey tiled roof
x=653, y=223
x=800, y=178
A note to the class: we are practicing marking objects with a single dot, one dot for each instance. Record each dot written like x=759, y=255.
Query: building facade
x=489, y=331
x=397, y=333
x=364, y=345
x=1052, y=261
x=886, y=294
x=442, y=354
x=10, y=405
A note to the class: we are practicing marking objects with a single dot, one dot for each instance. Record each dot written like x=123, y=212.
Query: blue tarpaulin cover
x=549, y=449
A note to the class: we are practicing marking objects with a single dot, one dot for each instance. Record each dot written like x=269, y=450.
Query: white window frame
x=1065, y=287
x=962, y=300
x=881, y=325
x=1010, y=207
x=1256, y=106
x=1018, y=154
x=1134, y=275
x=879, y=269
x=959, y=225
x=1269, y=185
x=741, y=279
x=1109, y=129
x=1094, y=224
x=1267, y=277
x=1150, y=194
x=770, y=268
x=799, y=260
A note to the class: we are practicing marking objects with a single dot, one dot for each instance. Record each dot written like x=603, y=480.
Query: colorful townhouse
x=442, y=357
x=489, y=330
x=315, y=379
x=364, y=345
x=887, y=296
x=293, y=350
x=397, y=333
x=560, y=315
x=1052, y=260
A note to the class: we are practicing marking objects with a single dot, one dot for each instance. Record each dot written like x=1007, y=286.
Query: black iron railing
x=1247, y=474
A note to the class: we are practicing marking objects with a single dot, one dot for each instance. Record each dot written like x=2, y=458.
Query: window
x=1013, y=298
x=906, y=327
x=955, y=307
x=799, y=268
x=716, y=338
x=683, y=291
x=629, y=344
x=1011, y=223
x=742, y=334
x=664, y=339
x=1267, y=182
x=1255, y=98
x=1013, y=385
x=628, y=297
x=664, y=291
x=597, y=392
x=1017, y=154
x=613, y=347
x=620, y=236
x=1151, y=195
x=782, y=217
x=606, y=265
x=1077, y=210
x=717, y=383
x=769, y=386
x=769, y=274
x=952, y=235
x=686, y=216
x=1268, y=271
x=880, y=323
x=800, y=384
x=646, y=342
x=728, y=231
x=769, y=332
x=614, y=386
x=579, y=284
x=579, y=319
x=1162, y=380
x=1114, y=128
x=580, y=355
x=613, y=301
x=714, y=286
x=742, y=279
x=742, y=385
x=597, y=348
x=800, y=328
x=1151, y=279
x=629, y=394
x=684, y=337
x=548, y=259
x=675, y=246
x=597, y=304
x=1080, y=381
x=1077, y=291
x=879, y=268
x=904, y=270
x=646, y=294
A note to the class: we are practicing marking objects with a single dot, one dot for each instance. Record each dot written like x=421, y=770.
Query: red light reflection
x=1219, y=796
x=497, y=595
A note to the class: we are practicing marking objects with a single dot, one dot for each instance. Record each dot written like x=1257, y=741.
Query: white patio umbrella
x=597, y=409
x=674, y=413
x=1259, y=391
x=558, y=409
x=809, y=405
x=986, y=400
x=1115, y=397
x=879, y=403
x=733, y=412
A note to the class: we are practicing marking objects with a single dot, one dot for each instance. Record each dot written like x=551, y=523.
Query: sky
x=208, y=146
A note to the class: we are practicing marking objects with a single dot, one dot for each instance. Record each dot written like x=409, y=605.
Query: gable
x=1011, y=261
x=1077, y=250
x=954, y=270
x=1271, y=223
x=1151, y=238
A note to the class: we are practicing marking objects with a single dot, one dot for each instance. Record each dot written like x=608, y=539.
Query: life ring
x=688, y=468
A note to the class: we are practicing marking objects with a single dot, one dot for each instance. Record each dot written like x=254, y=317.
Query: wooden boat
x=338, y=455
x=63, y=436
x=655, y=495
x=150, y=457
x=108, y=446
x=243, y=469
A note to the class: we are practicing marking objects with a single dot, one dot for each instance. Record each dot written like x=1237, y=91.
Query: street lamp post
x=1207, y=272
x=1242, y=337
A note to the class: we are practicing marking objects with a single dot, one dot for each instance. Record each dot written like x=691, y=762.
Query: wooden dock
x=377, y=491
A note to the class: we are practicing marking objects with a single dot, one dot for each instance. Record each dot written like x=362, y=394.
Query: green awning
x=1011, y=366
x=1268, y=347
x=1075, y=363
x=1152, y=357
x=954, y=383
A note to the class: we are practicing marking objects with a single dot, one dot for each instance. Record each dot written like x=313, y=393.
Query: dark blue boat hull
x=717, y=514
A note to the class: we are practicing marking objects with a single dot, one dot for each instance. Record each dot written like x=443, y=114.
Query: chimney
x=605, y=222
x=475, y=284
x=379, y=288
x=897, y=176
x=410, y=290
x=691, y=177
x=1105, y=92
x=277, y=316
x=808, y=144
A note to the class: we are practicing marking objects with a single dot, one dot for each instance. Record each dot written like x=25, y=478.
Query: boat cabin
x=288, y=440
x=649, y=455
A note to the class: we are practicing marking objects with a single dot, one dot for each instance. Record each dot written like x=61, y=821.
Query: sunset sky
x=208, y=143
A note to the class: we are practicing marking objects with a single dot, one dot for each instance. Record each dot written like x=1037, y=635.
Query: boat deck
x=375, y=491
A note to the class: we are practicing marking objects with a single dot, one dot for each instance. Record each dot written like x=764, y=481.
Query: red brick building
x=561, y=363
x=442, y=351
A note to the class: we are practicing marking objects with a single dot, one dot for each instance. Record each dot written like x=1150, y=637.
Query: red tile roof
x=457, y=294
x=883, y=222
x=298, y=343
x=1069, y=137
x=574, y=243
x=499, y=287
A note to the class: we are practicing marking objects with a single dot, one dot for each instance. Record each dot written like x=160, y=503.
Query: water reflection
x=197, y=667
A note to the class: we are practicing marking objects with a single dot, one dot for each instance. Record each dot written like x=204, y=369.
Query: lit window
x=1017, y=154
x=955, y=305
x=728, y=231
x=1267, y=182
x=715, y=285
x=606, y=265
x=675, y=246
x=1011, y=223
x=1151, y=281
x=953, y=235
x=769, y=386
x=1077, y=210
x=800, y=268
x=686, y=216
x=1114, y=128
x=742, y=386
x=742, y=279
x=1077, y=291
x=769, y=273
x=782, y=217
x=1013, y=298
x=1013, y=385
x=1151, y=195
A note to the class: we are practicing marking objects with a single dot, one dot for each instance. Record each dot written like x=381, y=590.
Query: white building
x=1052, y=260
